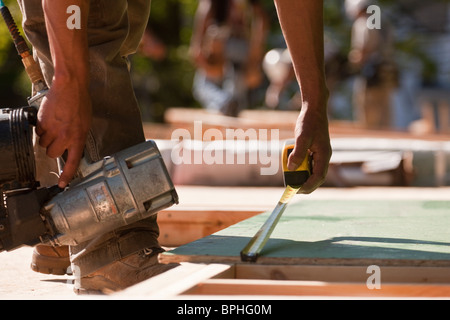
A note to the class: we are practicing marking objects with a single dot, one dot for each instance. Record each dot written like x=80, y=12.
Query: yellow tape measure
x=293, y=181
x=299, y=176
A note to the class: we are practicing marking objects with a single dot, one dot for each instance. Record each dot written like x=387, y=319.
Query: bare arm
x=64, y=117
x=302, y=25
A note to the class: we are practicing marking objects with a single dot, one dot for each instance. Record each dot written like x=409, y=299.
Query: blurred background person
x=277, y=66
x=227, y=48
x=371, y=55
x=283, y=92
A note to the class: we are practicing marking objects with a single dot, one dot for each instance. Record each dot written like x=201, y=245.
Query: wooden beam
x=315, y=288
x=179, y=227
x=330, y=273
x=208, y=280
x=176, y=281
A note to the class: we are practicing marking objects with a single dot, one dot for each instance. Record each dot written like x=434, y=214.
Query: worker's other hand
x=312, y=136
x=64, y=119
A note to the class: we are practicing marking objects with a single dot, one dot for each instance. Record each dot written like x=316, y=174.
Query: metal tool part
x=255, y=245
x=129, y=186
x=293, y=181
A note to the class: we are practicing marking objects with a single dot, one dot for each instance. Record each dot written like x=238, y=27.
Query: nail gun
x=121, y=189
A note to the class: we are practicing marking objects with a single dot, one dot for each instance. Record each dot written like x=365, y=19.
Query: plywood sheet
x=337, y=232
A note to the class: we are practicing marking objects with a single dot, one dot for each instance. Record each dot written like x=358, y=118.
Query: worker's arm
x=302, y=25
x=64, y=117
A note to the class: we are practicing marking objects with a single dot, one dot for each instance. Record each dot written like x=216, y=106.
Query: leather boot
x=123, y=273
x=51, y=260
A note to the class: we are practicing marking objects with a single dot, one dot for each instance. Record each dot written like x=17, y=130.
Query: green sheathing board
x=311, y=229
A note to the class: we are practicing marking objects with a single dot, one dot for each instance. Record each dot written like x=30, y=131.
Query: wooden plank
x=176, y=281
x=179, y=227
x=333, y=273
x=276, y=119
x=204, y=281
x=404, y=233
x=315, y=288
x=246, y=119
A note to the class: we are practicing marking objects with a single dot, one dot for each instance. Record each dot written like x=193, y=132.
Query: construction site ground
x=17, y=281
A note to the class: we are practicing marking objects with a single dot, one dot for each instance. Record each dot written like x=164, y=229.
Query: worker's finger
x=319, y=173
x=45, y=140
x=298, y=154
x=46, y=137
x=38, y=129
x=71, y=165
x=55, y=146
x=53, y=151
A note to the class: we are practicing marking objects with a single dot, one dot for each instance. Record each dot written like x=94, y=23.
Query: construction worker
x=371, y=55
x=227, y=48
x=90, y=111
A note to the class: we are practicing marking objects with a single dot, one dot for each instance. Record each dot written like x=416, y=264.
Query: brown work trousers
x=115, y=29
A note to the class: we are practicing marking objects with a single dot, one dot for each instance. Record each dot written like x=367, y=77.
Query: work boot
x=123, y=273
x=51, y=260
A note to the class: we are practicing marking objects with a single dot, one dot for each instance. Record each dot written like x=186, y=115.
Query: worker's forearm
x=65, y=115
x=302, y=25
x=68, y=46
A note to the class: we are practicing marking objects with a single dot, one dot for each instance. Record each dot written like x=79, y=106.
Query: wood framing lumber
x=179, y=227
x=315, y=288
x=241, y=280
x=333, y=273
x=176, y=281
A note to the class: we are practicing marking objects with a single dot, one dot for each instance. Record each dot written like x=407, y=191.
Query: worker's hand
x=302, y=26
x=64, y=119
x=312, y=136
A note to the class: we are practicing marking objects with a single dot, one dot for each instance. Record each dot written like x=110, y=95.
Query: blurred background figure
x=151, y=46
x=371, y=56
x=283, y=92
x=227, y=48
x=277, y=66
x=146, y=83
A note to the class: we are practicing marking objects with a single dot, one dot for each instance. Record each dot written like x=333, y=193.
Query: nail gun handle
x=299, y=176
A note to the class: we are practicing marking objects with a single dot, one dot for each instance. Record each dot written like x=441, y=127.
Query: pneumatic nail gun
x=126, y=187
